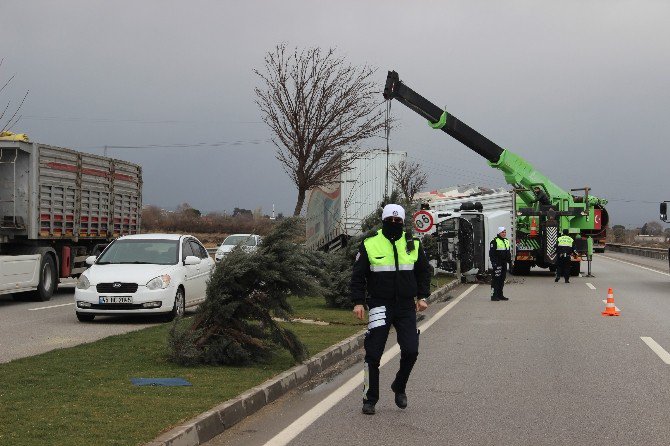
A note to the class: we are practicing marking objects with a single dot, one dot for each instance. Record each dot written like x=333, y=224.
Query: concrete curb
x=209, y=424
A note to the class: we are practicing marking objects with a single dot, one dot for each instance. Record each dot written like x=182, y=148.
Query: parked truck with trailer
x=57, y=207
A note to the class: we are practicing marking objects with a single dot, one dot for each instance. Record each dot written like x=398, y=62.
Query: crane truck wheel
x=575, y=267
x=48, y=277
x=521, y=268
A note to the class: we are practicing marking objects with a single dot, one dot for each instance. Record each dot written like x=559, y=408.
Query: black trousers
x=563, y=267
x=498, y=281
x=381, y=318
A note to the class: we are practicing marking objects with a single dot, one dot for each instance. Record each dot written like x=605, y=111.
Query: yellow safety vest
x=380, y=253
x=502, y=244
x=565, y=240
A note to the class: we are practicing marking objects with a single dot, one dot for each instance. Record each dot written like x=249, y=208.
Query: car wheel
x=178, y=308
x=47, y=284
x=85, y=317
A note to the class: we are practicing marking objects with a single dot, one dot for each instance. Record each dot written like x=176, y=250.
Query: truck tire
x=521, y=268
x=575, y=268
x=85, y=317
x=48, y=278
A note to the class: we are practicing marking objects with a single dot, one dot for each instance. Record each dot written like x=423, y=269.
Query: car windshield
x=247, y=240
x=154, y=252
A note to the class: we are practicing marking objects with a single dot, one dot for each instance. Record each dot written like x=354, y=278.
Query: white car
x=249, y=243
x=144, y=274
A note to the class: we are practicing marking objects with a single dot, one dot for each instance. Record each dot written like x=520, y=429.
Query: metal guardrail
x=653, y=253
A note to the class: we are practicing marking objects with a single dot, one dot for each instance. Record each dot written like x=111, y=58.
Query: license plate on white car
x=115, y=299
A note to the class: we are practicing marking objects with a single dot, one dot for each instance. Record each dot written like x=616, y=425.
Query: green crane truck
x=542, y=215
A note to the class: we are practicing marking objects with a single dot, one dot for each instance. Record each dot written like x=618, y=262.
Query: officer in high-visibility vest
x=393, y=268
x=500, y=256
x=564, y=251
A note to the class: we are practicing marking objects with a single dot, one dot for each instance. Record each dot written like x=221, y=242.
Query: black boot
x=368, y=408
x=400, y=398
x=556, y=279
x=503, y=298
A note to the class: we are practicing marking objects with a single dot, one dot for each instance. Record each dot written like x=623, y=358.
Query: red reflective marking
x=62, y=166
x=95, y=172
x=120, y=176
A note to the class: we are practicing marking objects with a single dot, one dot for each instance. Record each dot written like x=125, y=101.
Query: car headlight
x=83, y=283
x=159, y=283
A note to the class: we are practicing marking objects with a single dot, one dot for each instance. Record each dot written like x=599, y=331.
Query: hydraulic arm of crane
x=518, y=172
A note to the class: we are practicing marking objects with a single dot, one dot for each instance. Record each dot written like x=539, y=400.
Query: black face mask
x=392, y=231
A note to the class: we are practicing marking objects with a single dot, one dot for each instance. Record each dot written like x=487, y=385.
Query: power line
x=198, y=145
x=132, y=121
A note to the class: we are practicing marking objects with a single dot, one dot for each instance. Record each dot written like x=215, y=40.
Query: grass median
x=83, y=395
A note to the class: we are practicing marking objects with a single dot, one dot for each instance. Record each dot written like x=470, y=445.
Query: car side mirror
x=90, y=260
x=192, y=260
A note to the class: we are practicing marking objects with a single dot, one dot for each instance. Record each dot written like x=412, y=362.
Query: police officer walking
x=500, y=256
x=564, y=252
x=395, y=271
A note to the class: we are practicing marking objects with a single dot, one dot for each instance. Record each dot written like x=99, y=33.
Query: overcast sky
x=581, y=89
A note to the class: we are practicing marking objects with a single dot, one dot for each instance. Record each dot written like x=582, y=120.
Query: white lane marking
x=590, y=285
x=615, y=307
x=52, y=306
x=302, y=423
x=660, y=351
x=634, y=264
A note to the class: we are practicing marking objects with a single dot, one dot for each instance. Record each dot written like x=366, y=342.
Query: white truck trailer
x=335, y=212
x=57, y=207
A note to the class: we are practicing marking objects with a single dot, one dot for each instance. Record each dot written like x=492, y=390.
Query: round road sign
x=423, y=221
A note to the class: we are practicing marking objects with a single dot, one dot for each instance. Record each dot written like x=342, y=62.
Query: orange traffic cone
x=533, y=228
x=610, y=309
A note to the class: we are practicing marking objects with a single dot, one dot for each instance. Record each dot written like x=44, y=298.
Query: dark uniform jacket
x=397, y=286
x=498, y=256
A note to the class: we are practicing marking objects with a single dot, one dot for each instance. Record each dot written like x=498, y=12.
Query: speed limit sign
x=423, y=221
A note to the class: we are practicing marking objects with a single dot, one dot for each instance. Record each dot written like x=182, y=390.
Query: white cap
x=501, y=229
x=393, y=210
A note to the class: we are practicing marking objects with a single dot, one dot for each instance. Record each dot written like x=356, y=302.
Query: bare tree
x=409, y=177
x=320, y=109
x=9, y=120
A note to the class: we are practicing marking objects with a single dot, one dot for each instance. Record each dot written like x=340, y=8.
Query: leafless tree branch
x=15, y=118
x=320, y=110
x=409, y=177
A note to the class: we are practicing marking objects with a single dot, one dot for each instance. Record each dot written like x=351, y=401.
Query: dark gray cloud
x=576, y=87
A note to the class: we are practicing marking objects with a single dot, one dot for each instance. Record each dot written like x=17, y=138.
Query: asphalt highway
x=545, y=368
x=29, y=328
